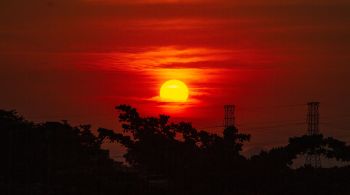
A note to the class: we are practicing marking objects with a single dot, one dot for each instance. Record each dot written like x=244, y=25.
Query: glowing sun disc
x=174, y=91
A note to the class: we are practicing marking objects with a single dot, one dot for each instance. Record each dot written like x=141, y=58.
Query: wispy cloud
x=152, y=59
x=164, y=56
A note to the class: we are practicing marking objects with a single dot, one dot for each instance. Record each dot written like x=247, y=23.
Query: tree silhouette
x=56, y=158
x=175, y=150
x=163, y=158
x=307, y=144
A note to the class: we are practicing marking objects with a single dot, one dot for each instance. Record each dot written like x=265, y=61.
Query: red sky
x=77, y=59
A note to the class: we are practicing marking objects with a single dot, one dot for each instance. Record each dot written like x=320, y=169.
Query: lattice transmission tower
x=229, y=116
x=313, y=120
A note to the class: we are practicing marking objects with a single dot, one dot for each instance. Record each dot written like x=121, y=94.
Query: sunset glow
x=77, y=59
x=174, y=96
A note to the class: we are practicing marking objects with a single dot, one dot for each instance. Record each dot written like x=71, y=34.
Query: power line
x=335, y=127
x=270, y=107
x=273, y=122
x=258, y=127
x=276, y=126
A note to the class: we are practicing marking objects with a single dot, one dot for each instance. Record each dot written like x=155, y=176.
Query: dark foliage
x=164, y=158
x=194, y=161
x=56, y=158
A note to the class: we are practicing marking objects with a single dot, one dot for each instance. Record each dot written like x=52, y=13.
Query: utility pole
x=229, y=116
x=313, y=120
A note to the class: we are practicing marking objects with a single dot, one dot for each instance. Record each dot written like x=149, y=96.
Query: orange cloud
x=160, y=57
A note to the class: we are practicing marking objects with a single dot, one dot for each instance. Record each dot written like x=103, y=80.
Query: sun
x=174, y=91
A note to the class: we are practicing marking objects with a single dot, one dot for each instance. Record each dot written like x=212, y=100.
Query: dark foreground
x=163, y=158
